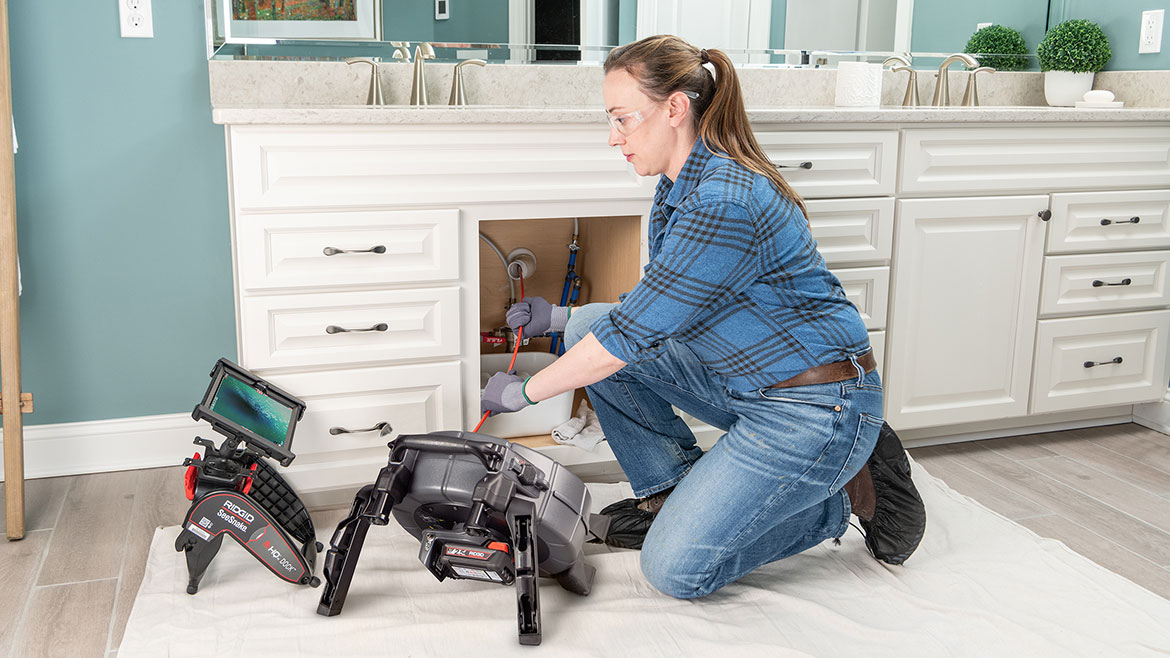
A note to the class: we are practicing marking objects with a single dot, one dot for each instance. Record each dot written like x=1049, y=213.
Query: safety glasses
x=628, y=122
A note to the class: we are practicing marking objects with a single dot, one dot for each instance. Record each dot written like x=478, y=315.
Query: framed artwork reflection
x=347, y=20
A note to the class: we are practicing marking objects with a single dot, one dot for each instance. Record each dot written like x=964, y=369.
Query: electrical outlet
x=136, y=19
x=980, y=26
x=1151, y=36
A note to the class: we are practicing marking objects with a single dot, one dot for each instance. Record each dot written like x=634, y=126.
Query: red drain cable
x=515, y=351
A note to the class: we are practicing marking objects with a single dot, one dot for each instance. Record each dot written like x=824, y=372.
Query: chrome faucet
x=418, y=87
x=910, y=99
x=375, y=96
x=458, y=96
x=942, y=91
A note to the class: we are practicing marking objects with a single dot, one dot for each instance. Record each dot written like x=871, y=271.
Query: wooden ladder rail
x=9, y=304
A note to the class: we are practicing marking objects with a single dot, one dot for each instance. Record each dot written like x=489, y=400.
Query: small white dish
x=1110, y=104
x=1099, y=96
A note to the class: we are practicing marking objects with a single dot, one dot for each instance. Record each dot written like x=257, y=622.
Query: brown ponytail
x=665, y=64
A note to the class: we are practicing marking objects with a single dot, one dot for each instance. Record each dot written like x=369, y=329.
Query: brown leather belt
x=830, y=372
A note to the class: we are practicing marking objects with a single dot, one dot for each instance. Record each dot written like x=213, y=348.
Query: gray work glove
x=504, y=393
x=537, y=316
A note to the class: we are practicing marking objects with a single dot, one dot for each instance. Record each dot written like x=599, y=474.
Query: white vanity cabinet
x=991, y=263
x=983, y=285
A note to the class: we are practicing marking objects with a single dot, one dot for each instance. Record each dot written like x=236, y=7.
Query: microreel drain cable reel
x=482, y=508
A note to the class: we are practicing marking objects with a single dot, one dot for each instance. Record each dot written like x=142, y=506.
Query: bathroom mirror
x=777, y=32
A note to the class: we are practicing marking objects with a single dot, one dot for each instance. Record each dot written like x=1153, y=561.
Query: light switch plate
x=1150, y=40
x=136, y=19
x=980, y=26
x=442, y=10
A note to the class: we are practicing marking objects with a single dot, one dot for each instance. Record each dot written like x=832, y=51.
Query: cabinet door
x=963, y=319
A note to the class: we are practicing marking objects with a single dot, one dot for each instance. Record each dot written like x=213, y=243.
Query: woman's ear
x=680, y=108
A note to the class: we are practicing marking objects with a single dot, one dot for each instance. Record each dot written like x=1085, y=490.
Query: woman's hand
x=537, y=316
x=503, y=394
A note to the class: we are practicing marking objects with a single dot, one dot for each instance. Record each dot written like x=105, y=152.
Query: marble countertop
x=401, y=114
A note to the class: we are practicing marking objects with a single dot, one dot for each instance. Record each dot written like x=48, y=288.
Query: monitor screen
x=239, y=403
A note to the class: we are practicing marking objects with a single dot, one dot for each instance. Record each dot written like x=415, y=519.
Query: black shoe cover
x=899, y=520
x=628, y=525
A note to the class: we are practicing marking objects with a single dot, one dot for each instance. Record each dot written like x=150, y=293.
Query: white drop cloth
x=979, y=585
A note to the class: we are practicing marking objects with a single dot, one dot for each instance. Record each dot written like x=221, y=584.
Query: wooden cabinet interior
x=608, y=262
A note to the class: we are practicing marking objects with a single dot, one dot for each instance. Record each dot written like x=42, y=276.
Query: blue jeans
x=769, y=488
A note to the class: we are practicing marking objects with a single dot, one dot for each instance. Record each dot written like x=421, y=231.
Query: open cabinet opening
x=607, y=263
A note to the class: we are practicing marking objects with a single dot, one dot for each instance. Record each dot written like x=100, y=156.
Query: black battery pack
x=490, y=562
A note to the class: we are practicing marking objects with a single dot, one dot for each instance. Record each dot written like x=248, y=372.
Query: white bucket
x=540, y=418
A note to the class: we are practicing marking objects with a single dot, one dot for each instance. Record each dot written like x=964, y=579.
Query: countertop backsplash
x=300, y=84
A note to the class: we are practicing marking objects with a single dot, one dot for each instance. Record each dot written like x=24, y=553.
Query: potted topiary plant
x=1000, y=47
x=1070, y=55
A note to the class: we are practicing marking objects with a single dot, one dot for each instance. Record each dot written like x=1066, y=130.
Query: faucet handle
x=911, y=97
x=902, y=61
x=401, y=50
x=374, y=97
x=458, y=96
x=971, y=95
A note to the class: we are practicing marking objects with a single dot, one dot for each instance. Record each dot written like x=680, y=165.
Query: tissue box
x=540, y=418
x=859, y=84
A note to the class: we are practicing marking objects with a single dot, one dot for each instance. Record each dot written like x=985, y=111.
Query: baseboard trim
x=119, y=444
x=1154, y=415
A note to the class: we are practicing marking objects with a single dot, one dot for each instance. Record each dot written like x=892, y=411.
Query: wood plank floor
x=70, y=584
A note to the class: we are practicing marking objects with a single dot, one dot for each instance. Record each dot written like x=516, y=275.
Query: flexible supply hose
x=515, y=350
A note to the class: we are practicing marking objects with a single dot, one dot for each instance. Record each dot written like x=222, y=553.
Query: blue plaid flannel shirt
x=735, y=274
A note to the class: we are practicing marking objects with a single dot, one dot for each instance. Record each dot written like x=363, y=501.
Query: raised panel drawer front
x=1099, y=361
x=1099, y=221
x=834, y=164
x=352, y=248
x=869, y=290
x=412, y=399
x=1093, y=283
x=852, y=230
x=349, y=327
x=277, y=167
x=965, y=291
x=1039, y=159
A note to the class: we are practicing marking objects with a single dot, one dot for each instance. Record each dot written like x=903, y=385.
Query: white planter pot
x=1065, y=88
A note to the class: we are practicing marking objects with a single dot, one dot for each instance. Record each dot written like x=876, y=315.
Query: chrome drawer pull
x=1097, y=283
x=1131, y=220
x=334, y=329
x=333, y=251
x=383, y=428
x=799, y=165
x=1090, y=364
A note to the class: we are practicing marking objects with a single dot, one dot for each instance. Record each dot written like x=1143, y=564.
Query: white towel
x=583, y=430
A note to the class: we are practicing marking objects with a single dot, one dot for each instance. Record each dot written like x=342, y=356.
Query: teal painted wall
x=776, y=38
x=1121, y=20
x=480, y=21
x=944, y=26
x=627, y=21
x=122, y=212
